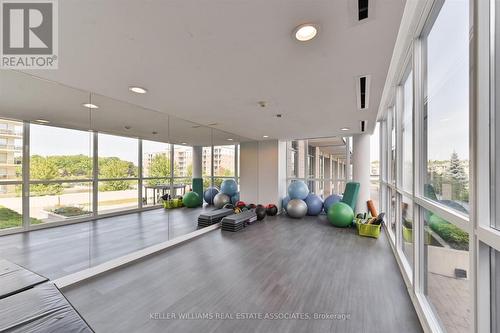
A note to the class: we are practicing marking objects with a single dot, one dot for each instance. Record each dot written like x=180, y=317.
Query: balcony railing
x=11, y=147
x=10, y=132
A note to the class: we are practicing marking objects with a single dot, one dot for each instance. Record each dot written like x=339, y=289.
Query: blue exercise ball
x=209, y=195
x=330, y=201
x=298, y=190
x=235, y=198
x=229, y=187
x=314, y=204
x=284, y=202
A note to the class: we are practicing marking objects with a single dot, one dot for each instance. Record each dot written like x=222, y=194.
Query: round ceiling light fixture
x=42, y=121
x=138, y=90
x=305, y=32
x=90, y=106
x=265, y=136
x=345, y=129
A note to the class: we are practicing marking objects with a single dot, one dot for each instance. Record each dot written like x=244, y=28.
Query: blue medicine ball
x=331, y=200
x=209, y=195
x=235, y=198
x=298, y=190
x=285, y=201
x=229, y=187
x=314, y=204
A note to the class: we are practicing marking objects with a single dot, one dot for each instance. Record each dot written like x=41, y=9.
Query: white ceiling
x=212, y=61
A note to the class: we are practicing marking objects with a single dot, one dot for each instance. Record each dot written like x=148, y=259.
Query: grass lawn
x=11, y=219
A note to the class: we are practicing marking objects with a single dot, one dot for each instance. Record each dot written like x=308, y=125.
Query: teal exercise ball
x=298, y=190
x=340, y=215
x=191, y=200
x=229, y=187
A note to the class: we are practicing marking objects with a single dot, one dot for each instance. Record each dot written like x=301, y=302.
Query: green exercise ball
x=340, y=215
x=191, y=200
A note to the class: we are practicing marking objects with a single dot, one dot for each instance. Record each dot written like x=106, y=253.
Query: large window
x=60, y=173
x=118, y=173
x=375, y=166
x=156, y=171
x=446, y=118
x=407, y=134
x=407, y=219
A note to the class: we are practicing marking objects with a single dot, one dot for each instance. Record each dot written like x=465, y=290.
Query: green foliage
x=42, y=168
x=454, y=236
x=11, y=219
x=70, y=211
x=452, y=173
x=113, y=167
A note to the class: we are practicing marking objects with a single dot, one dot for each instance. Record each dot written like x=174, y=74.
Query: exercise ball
x=235, y=198
x=228, y=206
x=261, y=212
x=331, y=200
x=314, y=204
x=296, y=208
x=191, y=200
x=240, y=204
x=340, y=215
x=284, y=202
x=209, y=195
x=271, y=210
x=229, y=187
x=251, y=206
x=221, y=199
x=298, y=190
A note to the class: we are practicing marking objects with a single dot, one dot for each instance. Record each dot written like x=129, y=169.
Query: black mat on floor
x=14, y=278
x=42, y=309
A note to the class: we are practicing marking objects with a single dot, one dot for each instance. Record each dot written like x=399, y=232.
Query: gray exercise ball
x=221, y=199
x=296, y=208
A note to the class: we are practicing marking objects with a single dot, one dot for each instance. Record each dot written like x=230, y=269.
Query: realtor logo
x=29, y=34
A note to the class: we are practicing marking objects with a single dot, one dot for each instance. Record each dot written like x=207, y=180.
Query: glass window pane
x=407, y=228
x=117, y=195
x=446, y=119
x=406, y=129
x=447, y=273
x=207, y=162
x=11, y=149
x=155, y=159
x=224, y=161
x=375, y=166
x=392, y=210
x=59, y=153
x=11, y=212
x=153, y=190
x=183, y=161
x=117, y=157
x=53, y=202
x=392, y=148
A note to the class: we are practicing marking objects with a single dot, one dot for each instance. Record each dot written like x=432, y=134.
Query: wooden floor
x=279, y=267
x=59, y=251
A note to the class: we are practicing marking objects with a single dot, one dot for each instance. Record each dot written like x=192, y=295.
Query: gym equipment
x=212, y=217
x=209, y=195
x=229, y=187
x=285, y=201
x=228, y=206
x=237, y=210
x=314, y=204
x=221, y=199
x=235, y=198
x=244, y=208
x=296, y=208
x=340, y=215
x=197, y=186
x=191, y=200
x=370, y=227
x=371, y=208
x=260, y=212
x=172, y=203
x=271, y=210
x=298, y=190
x=238, y=222
x=330, y=200
x=350, y=196
x=240, y=204
x=15, y=278
x=251, y=206
x=40, y=309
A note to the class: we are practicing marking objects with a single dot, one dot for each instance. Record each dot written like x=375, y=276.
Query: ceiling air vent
x=362, y=125
x=362, y=9
x=363, y=92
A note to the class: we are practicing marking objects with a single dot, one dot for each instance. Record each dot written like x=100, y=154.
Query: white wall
x=262, y=172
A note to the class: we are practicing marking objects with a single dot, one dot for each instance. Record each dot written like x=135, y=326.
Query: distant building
x=11, y=135
x=223, y=160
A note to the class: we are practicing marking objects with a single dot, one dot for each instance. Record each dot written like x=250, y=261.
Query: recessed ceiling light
x=345, y=129
x=265, y=136
x=138, y=90
x=213, y=124
x=229, y=139
x=42, y=121
x=305, y=32
x=90, y=106
x=183, y=143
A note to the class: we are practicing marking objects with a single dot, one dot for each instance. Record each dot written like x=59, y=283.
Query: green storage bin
x=368, y=230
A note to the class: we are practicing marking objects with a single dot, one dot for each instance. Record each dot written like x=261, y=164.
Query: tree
x=113, y=167
x=159, y=168
x=41, y=168
x=457, y=177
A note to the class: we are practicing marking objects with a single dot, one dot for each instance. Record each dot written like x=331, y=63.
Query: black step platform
x=42, y=309
x=14, y=278
x=237, y=222
x=212, y=217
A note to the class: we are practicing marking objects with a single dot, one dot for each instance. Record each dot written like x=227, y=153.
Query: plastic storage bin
x=368, y=230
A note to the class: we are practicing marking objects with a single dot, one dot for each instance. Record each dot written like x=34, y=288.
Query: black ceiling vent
x=362, y=9
x=362, y=125
x=363, y=92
